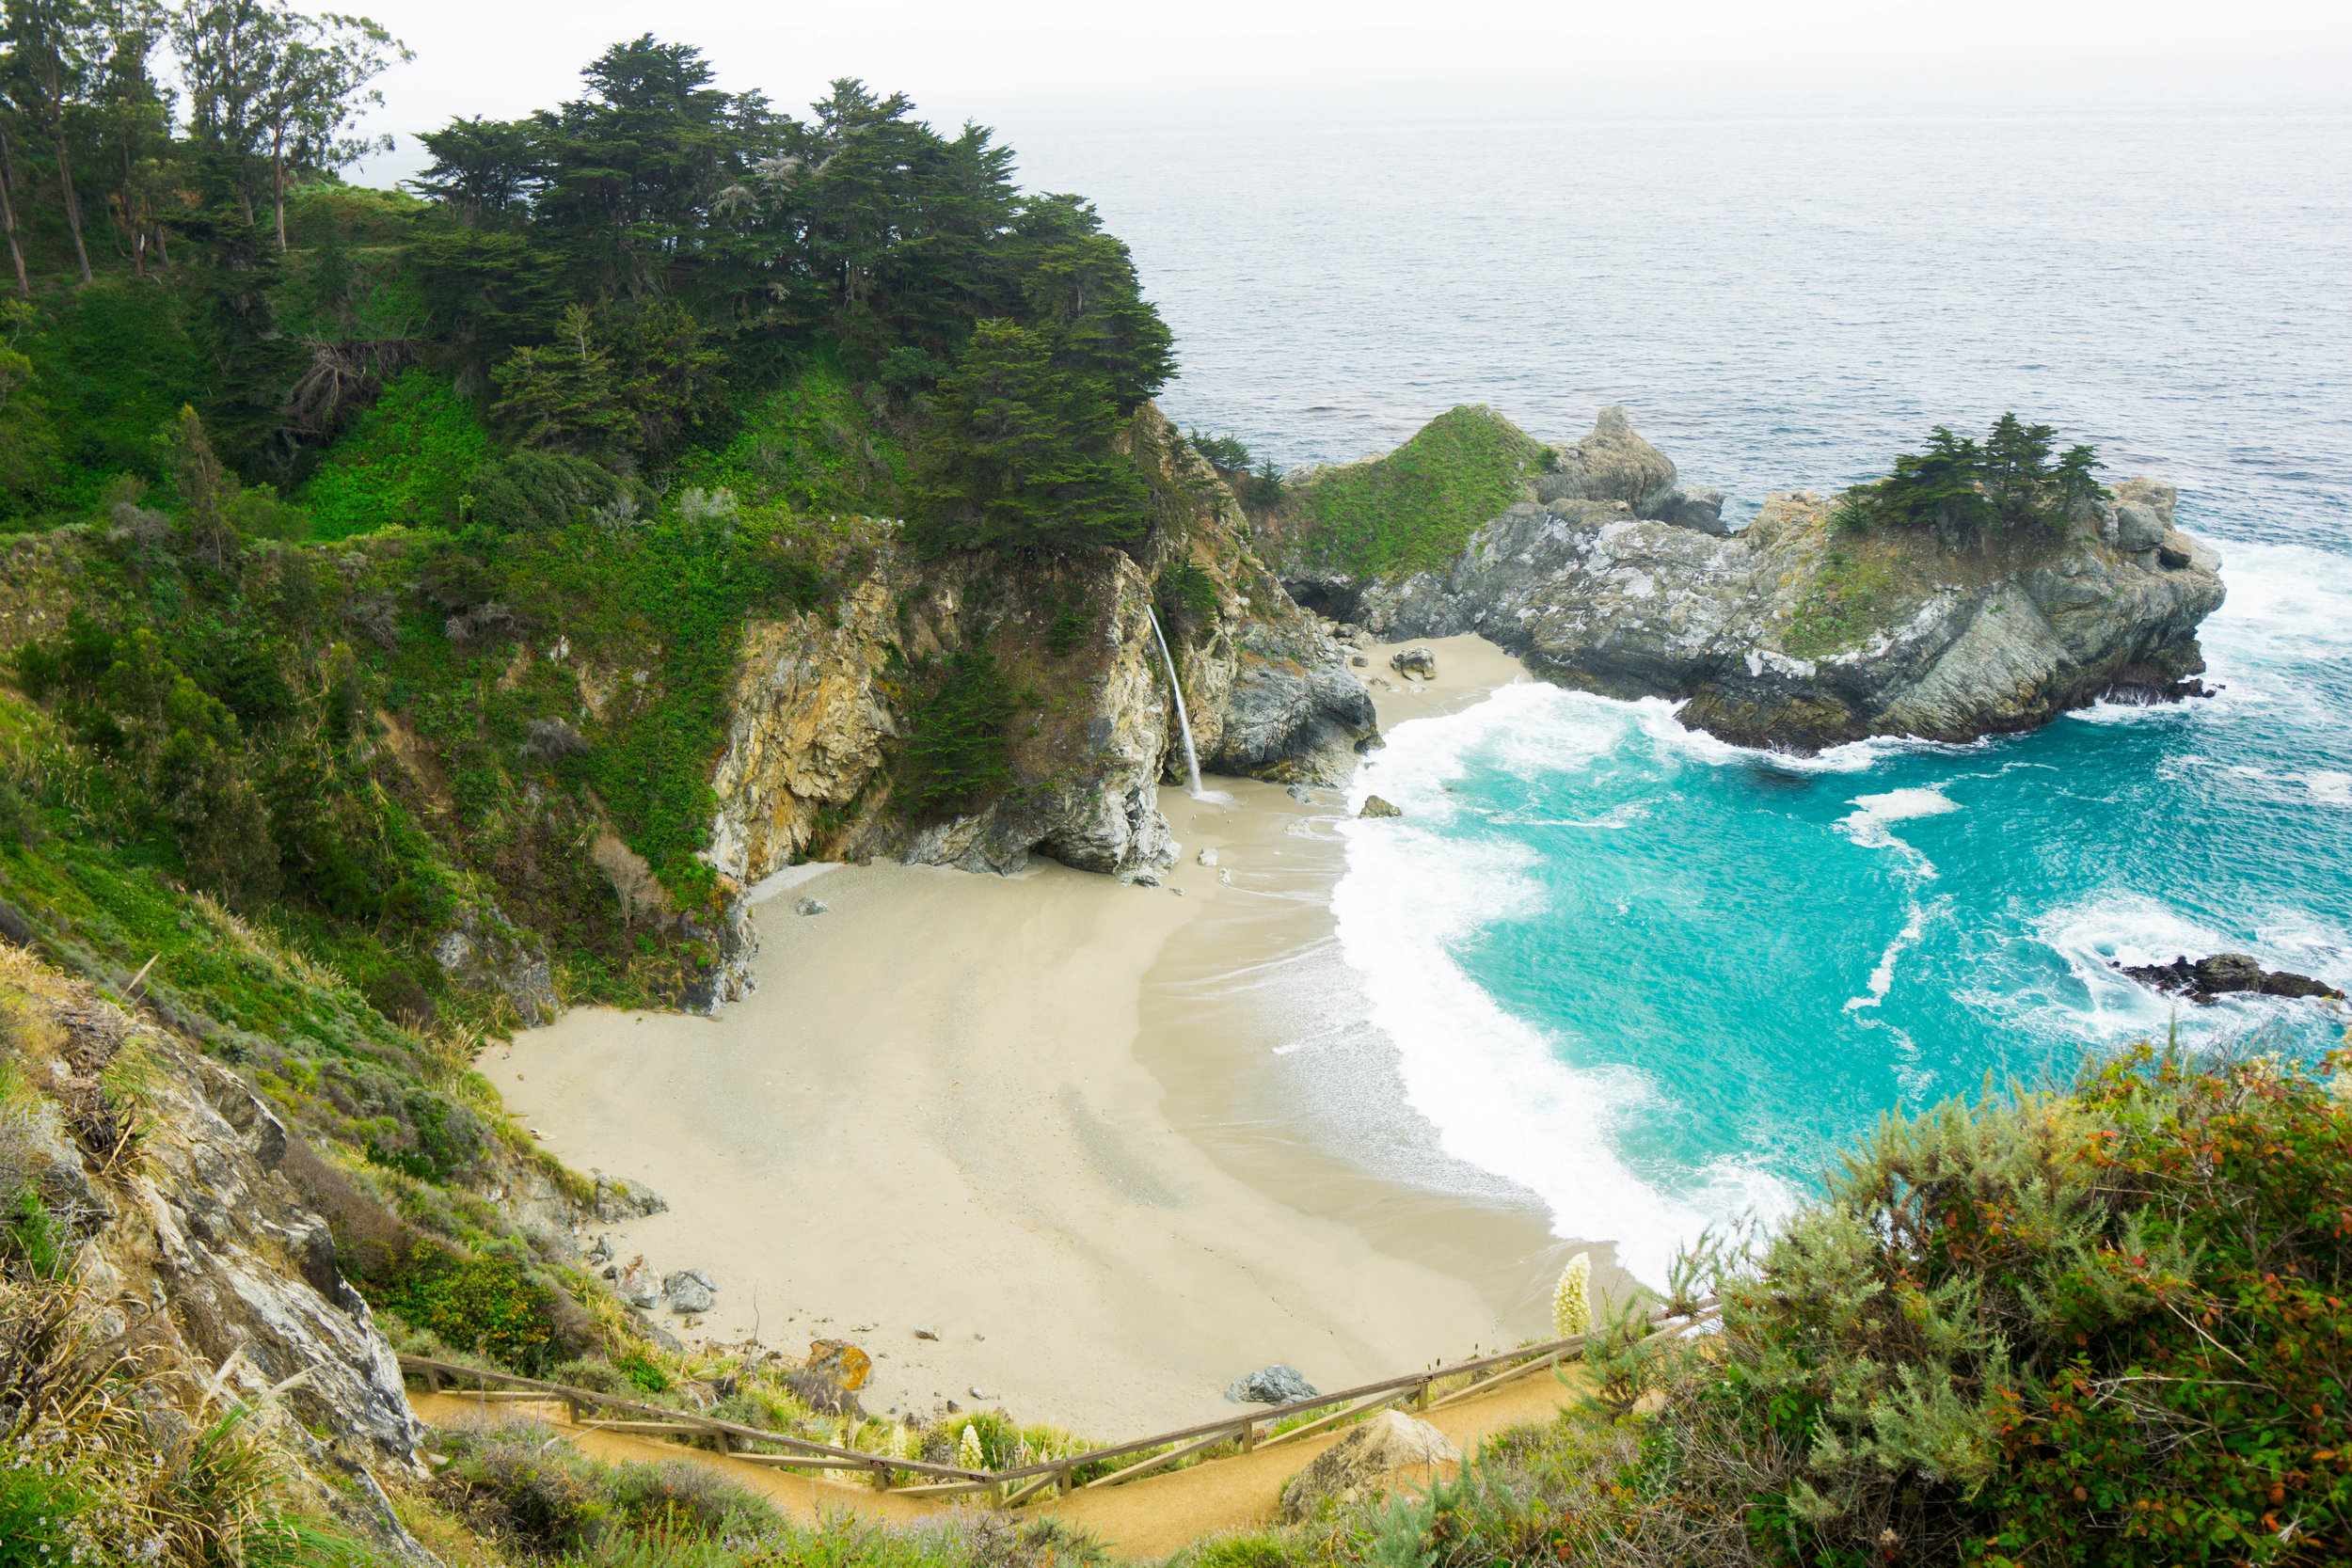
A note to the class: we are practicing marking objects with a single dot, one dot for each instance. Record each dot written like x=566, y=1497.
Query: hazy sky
x=1004, y=61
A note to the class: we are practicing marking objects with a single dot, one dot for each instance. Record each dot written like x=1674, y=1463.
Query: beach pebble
x=810, y=906
x=924, y=1331
x=1208, y=857
x=981, y=1394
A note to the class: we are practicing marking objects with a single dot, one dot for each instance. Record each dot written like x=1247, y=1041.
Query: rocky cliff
x=1610, y=577
x=154, y=1228
x=822, y=701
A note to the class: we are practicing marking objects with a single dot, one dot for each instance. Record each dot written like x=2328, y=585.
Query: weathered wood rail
x=1020, y=1482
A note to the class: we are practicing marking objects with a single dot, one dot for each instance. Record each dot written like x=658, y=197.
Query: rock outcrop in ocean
x=1611, y=576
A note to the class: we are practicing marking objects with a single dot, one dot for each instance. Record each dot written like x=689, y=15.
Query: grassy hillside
x=1413, y=509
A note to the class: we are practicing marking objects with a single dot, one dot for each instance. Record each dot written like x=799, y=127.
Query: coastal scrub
x=1415, y=507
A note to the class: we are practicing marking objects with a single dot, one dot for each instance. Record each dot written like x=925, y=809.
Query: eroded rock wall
x=823, y=701
x=200, y=1263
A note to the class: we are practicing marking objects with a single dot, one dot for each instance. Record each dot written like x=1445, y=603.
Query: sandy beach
x=1028, y=1114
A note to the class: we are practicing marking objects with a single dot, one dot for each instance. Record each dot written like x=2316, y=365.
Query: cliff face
x=201, y=1268
x=823, y=703
x=1791, y=634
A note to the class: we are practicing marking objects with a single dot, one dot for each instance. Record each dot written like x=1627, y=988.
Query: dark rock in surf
x=2227, y=974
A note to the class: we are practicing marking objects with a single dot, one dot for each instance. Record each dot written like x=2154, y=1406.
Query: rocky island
x=1605, y=574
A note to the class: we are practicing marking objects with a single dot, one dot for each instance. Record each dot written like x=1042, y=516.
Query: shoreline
x=1033, y=1116
x=1258, y=1029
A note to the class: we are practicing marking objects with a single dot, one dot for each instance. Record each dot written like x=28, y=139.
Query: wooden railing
x=1058, y=1475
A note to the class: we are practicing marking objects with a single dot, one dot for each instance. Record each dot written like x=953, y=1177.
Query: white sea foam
x=1882, y=974
x=2329, y=786
x=1493, y=1084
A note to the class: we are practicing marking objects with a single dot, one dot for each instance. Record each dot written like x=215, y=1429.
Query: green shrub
x=36, y=1508
x=642, y=1371
x=405, y=460
x=1187, y=594
x=543, y=490
x=1073, y=617
x=954, y=756
x=488, y=1305
x=2107, y=1326
x=1227, y=453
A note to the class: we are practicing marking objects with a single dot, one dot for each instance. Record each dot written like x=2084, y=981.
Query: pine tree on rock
x=1020, y=457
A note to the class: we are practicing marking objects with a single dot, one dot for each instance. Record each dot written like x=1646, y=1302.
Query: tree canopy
x=1958, y=486
x=614, y=278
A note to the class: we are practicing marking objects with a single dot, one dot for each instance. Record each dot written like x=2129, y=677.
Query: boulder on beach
x=639, y=1283
x=810, y=906
x=1375, y=806
x=689, y=1290
x=1389, y=1447
x=1415, y=663
x=839, y=1360
x=1271, y=1386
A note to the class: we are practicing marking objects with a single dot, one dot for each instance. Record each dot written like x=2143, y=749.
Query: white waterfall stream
x=1192, y=758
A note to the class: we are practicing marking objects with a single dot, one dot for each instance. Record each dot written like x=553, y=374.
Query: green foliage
x=110, y=364
x=404, y=461
x=1415, y=507
x=1187, y=594
x=814, y=446
x=488, y=1305
x=1019, y=459
x=36, y=1508
x=1960, y=490
x=2107, y=1326
x=642, y=1372
x=1074, y=614
x=1850, y=596
x=954, y=756
x=32, y=1238
x=1225, y=453
x=545, y=491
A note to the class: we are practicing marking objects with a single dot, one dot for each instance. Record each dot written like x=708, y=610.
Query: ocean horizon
x=1658, y=981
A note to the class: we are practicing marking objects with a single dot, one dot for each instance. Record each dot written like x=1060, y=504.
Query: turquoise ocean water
x=1656, y=979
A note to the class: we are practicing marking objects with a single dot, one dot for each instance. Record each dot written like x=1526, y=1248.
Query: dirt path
x=1149, y=1517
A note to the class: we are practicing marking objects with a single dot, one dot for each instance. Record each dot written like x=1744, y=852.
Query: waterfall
x=1192, y=758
